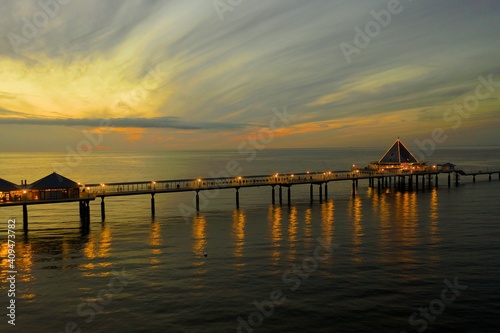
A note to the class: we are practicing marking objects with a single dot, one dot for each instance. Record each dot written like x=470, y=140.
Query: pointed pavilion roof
x=398, y=153
x=53, y=181
x=6, y=186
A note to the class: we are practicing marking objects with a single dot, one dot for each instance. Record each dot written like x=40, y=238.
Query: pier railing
x=179, y=185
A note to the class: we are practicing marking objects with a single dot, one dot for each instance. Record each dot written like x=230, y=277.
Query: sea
x=412, y=261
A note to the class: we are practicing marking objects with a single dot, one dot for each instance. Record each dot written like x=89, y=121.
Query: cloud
x=159, y=122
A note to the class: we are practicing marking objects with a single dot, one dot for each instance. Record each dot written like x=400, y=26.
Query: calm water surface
x=387, y=255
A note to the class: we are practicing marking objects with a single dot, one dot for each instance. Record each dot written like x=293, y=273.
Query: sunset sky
x=200, y=74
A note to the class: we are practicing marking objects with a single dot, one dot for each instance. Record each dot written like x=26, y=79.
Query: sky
x=226, y=74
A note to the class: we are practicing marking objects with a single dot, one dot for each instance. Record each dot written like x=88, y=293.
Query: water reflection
x=308, y=228
x=292, y=234
x=155, y=242
x=199, y=233
x=327, y=219
x=274, y=217
x=23, y=264
x=97, y=247
x=238, y=232
x=355, y=206
x=409, y=221
x=434, y=237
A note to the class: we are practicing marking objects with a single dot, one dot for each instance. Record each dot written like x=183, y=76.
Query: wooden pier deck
x=376, y=179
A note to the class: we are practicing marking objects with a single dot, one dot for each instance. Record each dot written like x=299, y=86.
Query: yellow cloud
x=371, y=83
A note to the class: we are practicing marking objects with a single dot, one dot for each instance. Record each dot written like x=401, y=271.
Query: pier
x=397, y=169
x=317, y=181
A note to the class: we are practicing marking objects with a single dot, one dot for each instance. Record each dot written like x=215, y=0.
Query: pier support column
x=311, y=194
x=449, y=179
x=353, y=188
x=25, y=217
x=473, y=178
x=437, y=181
x=416, y=182
x=289, y=196
x=281, y=195
x=489, y=177
x=81, y=206
x=456, y=178
x=326, y=191
x=237, y=198
x=403, y=183
x=320, y=193
x=86, y=214
x=356, y=183
x=198, y=201
x=423, y=182
x=153, y=210
x=410, y=183
x=429, y=181
x=378, y=185
x=103, y=209
x=390, y=181
x=273, y=200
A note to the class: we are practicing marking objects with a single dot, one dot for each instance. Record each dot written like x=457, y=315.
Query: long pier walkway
x=376, y=179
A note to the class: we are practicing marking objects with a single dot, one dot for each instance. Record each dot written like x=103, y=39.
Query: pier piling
x=103, y=209
x=153, y=210
x=311, y=195
x=25, y=217
x=320, y=193
x=326, y=191
x=198, y=200
x=273, y=200
x=237, y=198
x=280, y=195
x=289, y=196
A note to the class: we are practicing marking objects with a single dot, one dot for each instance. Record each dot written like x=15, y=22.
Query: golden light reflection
x=327, y=220
x=199, y=248
x=97, y=249
x=410, y=218
x=355, y=206
x=155, y=241
x=239, y=219
x=308, y=227
x=433, y=218
x=292, y=233
x=274, y=217
x=384, y=214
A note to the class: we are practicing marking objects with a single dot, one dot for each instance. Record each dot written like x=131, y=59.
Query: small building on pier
x=8, y=191
x=398, y=158
x=54, y=186
x=446, y=167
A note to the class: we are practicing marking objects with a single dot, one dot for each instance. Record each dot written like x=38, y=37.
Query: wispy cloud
x=93, y=59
